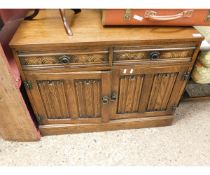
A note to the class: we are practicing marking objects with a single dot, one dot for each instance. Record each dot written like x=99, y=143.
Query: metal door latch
x=114, y=96
x=128, y=15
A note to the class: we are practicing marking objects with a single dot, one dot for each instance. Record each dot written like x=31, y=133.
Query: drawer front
x=79, y=59
x=153, y=54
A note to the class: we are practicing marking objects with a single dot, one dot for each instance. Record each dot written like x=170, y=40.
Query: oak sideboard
x=102, y=78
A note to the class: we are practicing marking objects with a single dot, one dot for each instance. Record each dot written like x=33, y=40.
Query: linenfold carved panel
x=57, y=98
x=88, y=97
x=54, y=98
x=130, y=92
x=161, y=91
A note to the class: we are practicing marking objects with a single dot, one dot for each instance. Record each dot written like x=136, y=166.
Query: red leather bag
x=157, y=17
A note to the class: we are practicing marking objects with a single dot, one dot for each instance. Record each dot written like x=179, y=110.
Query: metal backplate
x=149, y=13
x=128, y=15
x=208, y=16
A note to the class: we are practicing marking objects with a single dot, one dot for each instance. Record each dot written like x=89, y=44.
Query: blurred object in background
x=68, y=20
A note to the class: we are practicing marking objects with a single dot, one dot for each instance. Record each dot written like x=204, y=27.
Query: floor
x=186, y=142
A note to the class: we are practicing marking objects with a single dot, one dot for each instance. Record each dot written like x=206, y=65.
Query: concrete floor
x=186, y=142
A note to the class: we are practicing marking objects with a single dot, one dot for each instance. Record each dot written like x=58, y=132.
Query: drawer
x=64, y=59
x=135, y=54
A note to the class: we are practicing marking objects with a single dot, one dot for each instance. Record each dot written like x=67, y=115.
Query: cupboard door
x=142, y=92
x=73, y=97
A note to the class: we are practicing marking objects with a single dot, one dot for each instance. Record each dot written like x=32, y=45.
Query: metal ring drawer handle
x=64, y=59
x=154, y=55
x=105, y=99
x=153, y=15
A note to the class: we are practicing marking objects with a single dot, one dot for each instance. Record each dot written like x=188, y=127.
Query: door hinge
x=173, y=108
x=39, y=118
x=28, y=84
x=186, y=76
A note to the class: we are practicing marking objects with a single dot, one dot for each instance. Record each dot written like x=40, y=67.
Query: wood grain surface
x=15, y=121
x=108, y=78
x=47, y=29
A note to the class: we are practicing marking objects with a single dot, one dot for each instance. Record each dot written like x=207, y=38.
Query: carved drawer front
x=135, y=54
x=65, y=59
x=68, y=98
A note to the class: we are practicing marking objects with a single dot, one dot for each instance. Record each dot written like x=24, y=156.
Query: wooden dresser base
x=102, y=79
x=112, y=125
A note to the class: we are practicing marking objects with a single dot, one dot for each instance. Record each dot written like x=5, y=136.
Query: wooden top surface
x=47, y=29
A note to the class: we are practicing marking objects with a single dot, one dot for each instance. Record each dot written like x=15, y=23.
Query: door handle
x=105, y=99
x=154, y=55
x=153, y=15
